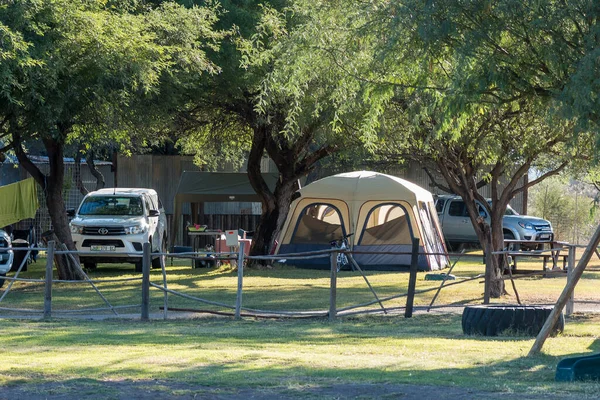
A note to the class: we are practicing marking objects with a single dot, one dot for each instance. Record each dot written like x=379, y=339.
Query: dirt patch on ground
x=126, y=390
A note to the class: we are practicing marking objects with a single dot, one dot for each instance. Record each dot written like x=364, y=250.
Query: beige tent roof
x=364, y=186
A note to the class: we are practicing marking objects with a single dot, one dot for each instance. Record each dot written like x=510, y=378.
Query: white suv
x=6, y=256
x=111, y=225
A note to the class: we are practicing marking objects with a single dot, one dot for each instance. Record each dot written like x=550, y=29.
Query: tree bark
x=100, y=182
x=52, y=185
x=77, y=174
x=294, y=160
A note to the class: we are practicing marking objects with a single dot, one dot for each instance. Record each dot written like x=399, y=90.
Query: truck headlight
x=76, y=228
x=136, y=229
x=526, y=225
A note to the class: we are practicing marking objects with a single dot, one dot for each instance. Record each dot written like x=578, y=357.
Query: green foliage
x=568, y=206
x=92, y=63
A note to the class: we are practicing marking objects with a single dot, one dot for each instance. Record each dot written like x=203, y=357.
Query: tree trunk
x=56, y=204
x=276, y=204
x=497, y=287
x=77, y=174
x=52, y=184
x=100, y=182
x=273, y=218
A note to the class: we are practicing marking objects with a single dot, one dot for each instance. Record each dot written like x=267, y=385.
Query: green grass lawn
x=222, y=352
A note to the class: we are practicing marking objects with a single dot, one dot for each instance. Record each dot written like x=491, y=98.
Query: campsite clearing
x=218, y=357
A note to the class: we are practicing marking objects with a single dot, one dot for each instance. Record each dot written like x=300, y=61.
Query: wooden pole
x=145, y=281
x=412, y=281
x=570, y=266
x=240, y=267
x=566, y=293
x=333, y=286
x=166, y=295
x=48, y=287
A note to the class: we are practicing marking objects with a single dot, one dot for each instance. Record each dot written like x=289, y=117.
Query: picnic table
x=555, y=251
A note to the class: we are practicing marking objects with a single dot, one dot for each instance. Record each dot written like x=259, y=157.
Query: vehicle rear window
x=439, y=205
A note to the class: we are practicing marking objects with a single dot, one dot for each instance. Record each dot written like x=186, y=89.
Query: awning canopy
x=200, y=187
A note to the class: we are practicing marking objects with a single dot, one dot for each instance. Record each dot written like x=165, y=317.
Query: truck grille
x=3, y=243
x=103, y=230
x=544, y=227
x=102, y=242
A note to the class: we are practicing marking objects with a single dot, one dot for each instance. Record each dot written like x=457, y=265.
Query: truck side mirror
x=70, y=212
x=153, y=213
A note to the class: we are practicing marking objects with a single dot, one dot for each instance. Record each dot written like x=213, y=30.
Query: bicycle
x=341, y=244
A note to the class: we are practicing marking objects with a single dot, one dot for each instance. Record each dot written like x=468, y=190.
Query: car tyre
x=510, y=246
x=139, y=266
x=161, y=260
x=2, y=280
x=90, y=265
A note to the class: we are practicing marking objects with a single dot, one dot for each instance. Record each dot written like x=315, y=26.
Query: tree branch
x=26, y=163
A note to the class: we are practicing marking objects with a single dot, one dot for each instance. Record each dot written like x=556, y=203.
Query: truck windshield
x=509, y=210
x=111, y=205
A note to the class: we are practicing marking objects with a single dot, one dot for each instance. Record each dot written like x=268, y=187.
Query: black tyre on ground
x=2, y=280
x=520, y=320
x=139, y=266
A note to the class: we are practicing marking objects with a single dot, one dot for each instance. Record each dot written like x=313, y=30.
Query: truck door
x=153, y=222
x=457, y=224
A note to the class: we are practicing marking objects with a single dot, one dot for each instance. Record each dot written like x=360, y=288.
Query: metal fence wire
x=236, y=308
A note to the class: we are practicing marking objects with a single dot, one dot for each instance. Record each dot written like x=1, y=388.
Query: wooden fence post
x=412, y=281
x=48, y=285
x=146, y=281
x=333, y=286
x=570, y=266
x=566, y=293
x=240, y=286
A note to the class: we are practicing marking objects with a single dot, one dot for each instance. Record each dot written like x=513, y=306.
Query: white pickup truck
x=458, y=228
x=111, y=225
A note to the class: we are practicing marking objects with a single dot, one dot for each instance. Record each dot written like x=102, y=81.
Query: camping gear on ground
x=582, y=368
x=384, y=212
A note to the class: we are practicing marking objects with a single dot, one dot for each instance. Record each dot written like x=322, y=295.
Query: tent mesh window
x=387, y=224
x=318, y=223
x=432, y=238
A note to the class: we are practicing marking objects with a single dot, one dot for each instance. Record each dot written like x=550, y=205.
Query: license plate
x=544, y=237
x=102, y=248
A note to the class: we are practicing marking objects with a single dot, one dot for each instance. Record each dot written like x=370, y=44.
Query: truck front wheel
x=510, y=246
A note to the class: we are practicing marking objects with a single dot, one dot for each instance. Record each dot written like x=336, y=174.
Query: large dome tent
x=384, y=212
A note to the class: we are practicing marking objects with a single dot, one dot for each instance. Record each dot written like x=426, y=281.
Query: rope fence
x=239, y=257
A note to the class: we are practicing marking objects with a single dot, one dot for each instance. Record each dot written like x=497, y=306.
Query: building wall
x=12, y=173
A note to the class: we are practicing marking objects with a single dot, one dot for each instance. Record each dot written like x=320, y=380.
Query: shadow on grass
x=249, y=354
